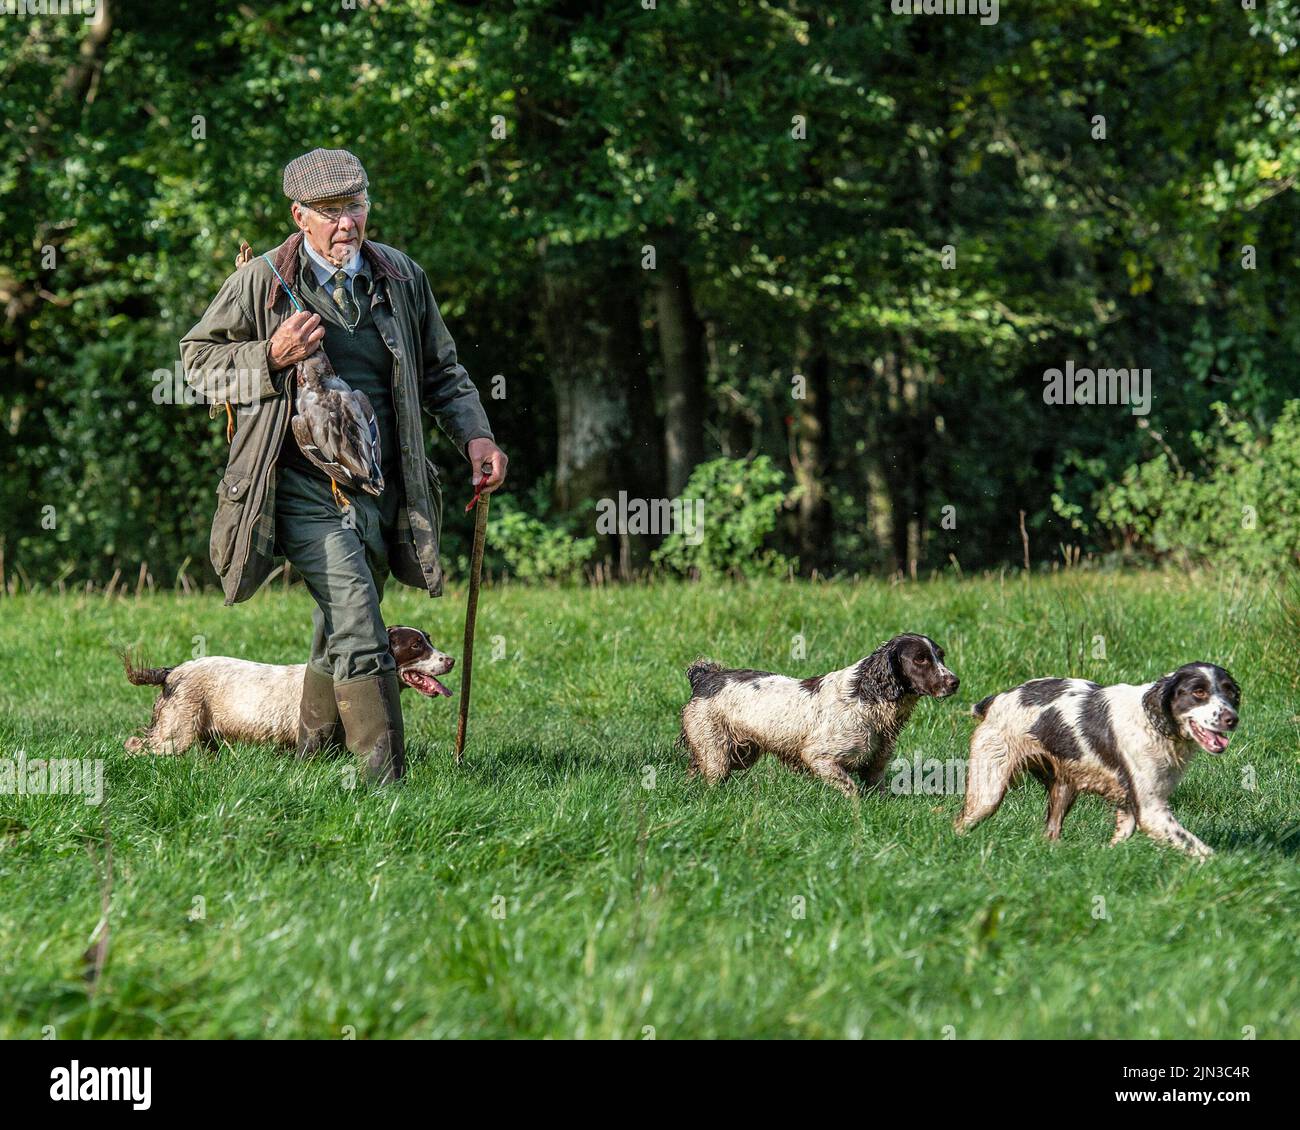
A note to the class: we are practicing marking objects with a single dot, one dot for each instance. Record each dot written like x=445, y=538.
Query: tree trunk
x=901, y=443
x=810, y=456
x=607, y=432
x=681, y=345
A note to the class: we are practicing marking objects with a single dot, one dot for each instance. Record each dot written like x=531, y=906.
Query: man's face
x=335, y=239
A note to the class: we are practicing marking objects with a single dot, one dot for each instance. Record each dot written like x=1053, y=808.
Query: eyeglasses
x=355, y=212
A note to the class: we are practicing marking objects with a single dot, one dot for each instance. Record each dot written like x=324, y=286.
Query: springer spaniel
x=219, y=697
x=832, y=726
x=1130, y=744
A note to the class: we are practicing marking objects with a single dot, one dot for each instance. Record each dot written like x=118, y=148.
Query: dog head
x=1198, y=703
x=419, y=663
x=908, y=665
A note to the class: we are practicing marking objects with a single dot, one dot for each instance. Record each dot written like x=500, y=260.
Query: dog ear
x=1231, y=688
x=879, y=677
x=406, y=644
x=1158, y=704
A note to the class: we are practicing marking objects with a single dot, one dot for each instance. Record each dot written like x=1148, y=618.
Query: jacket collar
x=286, y=260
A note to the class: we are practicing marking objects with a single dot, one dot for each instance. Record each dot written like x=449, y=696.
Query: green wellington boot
x=372, y=720
x=319, y=727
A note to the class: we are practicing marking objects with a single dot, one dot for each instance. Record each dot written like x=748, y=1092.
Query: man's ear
x=299, y=214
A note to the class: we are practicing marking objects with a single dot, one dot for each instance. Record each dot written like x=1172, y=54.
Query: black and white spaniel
x=832, y=725
x=1130, y=744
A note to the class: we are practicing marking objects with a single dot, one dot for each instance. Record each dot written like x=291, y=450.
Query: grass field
x=544, y=890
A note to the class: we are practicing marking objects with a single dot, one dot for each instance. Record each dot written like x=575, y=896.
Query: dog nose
x=450, y=663
x=1229, y=720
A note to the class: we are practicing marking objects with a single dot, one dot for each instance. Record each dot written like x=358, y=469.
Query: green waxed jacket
x=225, y=359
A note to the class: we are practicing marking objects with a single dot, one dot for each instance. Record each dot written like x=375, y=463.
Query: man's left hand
x=482, y=451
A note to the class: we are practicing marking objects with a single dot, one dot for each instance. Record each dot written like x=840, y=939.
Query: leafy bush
x=737, y=502
x=1243, y=510
x=529, y=548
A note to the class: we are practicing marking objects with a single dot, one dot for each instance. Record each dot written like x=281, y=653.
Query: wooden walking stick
x=471, y=604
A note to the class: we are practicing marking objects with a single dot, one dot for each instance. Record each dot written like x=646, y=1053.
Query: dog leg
x=1125, y=822
x=167, y=743
x=833, y=773
x=872, y=775
x=1162, y=826
x=710, y=749
x=1061, y=795
x=179, y=720
x=172, y=731
x=743, y=755
x=988, y=773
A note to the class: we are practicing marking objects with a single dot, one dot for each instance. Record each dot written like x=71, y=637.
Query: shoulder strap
x=296, y=305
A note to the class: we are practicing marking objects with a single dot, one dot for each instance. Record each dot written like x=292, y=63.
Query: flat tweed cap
x=324, y=173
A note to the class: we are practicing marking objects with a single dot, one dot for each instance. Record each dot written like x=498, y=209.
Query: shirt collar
x=325, y=270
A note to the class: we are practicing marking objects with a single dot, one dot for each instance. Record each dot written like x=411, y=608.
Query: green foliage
x=1241, y=509
x=530, y=549
x=738, y=502
x=625, y=127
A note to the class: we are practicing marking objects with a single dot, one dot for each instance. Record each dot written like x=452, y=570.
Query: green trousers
x=343, y=558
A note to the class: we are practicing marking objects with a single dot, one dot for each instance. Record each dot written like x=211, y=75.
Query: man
x=372, y=309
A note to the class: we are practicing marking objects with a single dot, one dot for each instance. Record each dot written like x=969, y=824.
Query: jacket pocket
x=435, y=498
x=232, y=496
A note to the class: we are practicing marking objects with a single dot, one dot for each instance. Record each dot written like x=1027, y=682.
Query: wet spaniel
x=837, y=726
x=218, y=697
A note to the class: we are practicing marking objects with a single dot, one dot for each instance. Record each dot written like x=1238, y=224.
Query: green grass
x=674, y=907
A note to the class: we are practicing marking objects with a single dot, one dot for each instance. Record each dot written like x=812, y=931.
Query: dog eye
x=923, y=661
x=1200, y=692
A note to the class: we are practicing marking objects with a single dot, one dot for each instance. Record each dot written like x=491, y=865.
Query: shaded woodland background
x=792, y=170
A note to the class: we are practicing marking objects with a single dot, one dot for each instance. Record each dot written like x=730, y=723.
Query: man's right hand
x=298, y=337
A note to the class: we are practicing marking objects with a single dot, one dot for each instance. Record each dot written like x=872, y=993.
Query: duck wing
x=357, y=443
x=322, y=431
x=335, y=426
x=315, y=455
x=367, y=439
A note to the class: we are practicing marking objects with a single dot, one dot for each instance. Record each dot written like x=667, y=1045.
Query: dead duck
x=335, y=428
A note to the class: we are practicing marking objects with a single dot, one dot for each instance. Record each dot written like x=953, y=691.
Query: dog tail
x=144, y=676
x=698, y=673
x=981, y=708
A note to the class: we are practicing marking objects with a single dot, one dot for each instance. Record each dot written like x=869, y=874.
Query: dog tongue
x=1211, y=741
x=426, y=684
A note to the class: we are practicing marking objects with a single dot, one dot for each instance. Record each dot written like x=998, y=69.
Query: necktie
x=347, y=306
